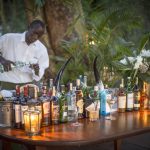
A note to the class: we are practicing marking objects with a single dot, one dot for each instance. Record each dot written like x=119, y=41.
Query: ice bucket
x=6, y=113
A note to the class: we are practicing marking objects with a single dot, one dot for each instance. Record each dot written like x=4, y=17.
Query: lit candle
x=32, y=121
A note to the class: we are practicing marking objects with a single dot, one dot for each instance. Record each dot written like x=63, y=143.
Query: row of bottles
x=130, y=99
x=66, y=106
x=56, y=107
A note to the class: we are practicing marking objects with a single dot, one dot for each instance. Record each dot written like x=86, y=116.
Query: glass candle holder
x=32, y=121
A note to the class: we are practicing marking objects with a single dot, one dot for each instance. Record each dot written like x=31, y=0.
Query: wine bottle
x=17, y=109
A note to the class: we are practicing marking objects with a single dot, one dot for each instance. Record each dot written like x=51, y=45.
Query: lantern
x=32, y=121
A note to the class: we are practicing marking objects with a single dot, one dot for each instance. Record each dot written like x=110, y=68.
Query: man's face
x=34, y=34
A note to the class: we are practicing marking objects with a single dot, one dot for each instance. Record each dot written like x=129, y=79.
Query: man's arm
x=6, y=63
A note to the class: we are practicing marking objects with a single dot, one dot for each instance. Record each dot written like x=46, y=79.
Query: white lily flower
x=145, y=53
x=131, y=59
x=138, y=62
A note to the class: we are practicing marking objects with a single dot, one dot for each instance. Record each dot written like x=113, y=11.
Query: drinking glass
x=76, y=123
x=111, y=102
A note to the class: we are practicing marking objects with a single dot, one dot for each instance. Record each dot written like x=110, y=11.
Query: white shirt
x=14, y=48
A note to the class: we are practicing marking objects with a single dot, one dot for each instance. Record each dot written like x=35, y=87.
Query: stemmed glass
x=111, y=102
x=76, y=123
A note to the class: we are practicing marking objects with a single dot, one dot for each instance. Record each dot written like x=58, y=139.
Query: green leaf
x=143, y=42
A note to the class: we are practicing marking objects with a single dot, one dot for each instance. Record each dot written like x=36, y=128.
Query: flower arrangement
x=138, y=65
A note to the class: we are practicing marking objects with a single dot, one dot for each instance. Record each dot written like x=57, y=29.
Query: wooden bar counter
x=66, y=136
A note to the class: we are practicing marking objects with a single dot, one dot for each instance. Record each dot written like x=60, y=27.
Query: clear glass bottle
x=136, y=91
x=79, y=99
x=71, y=100
x=121, y=97
x=63, y=111
x=129, y=95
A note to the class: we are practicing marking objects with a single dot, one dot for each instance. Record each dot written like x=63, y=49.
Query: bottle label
x=145, y=102
x=122, y=102
x=23, y=108
x=55, y=112
x=137, y=105
x=64, y=114
x=80, y=105
x=130, y=100
x=46, y=108
x=17, y=113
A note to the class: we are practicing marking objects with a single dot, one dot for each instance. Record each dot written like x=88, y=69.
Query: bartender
x=24, y=49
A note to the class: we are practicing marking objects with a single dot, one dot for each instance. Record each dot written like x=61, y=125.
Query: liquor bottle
x=129, y=95
x=103, y=102
x=96, y=97
x=79, y=99
x=17, y=108
x=121, y=98
x=105, y=97
x=50, y=90
x=63, y=106
x=54, y=107
x=71, y=100
x=45, y=102
x=24, y=105
x=136, y=91
x=144, y=97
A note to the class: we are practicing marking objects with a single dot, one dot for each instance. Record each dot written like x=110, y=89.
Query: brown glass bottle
x=121, y=98
x=144, y=98
x=54, y=107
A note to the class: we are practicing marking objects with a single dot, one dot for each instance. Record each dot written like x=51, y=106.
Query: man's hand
x=36, y=68
x=6, y=64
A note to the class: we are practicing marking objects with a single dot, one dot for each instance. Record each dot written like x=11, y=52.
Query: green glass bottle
x=129, y=95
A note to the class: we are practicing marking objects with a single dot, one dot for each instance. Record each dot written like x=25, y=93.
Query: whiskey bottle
x=54, y=107
x=121, y=98
x=79, y=99
x=45, y=102
x=24, y=105
x=50, y=90
x=144, y=97
x=129, y=95
x=136, y=91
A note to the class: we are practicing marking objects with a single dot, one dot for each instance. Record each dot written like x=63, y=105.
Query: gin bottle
x=71, y=99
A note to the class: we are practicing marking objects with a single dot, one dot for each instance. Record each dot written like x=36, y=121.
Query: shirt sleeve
x=43, y=62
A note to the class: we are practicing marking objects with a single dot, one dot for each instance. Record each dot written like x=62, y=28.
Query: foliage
x=138, y=62
x=104, y=37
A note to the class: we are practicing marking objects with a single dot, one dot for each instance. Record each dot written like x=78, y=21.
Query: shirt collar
x=23, y=38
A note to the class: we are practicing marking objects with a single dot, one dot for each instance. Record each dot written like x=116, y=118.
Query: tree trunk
x=60, y=17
